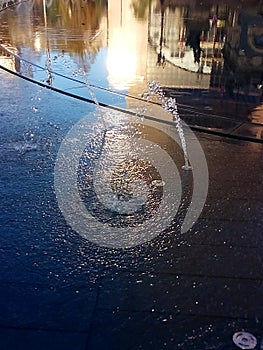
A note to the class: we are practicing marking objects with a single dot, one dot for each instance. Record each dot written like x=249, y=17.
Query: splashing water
x=94, y=97
x=169, y=104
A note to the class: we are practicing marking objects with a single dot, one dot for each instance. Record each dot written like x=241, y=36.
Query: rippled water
x=105, y=44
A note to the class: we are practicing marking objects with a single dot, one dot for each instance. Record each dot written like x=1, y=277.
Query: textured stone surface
x=58, y=291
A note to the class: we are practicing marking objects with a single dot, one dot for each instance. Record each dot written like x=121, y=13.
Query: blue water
x=37, y=244
x=34, y=235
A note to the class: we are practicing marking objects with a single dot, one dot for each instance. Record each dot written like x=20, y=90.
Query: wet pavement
x=217, y=113
x=60, y=290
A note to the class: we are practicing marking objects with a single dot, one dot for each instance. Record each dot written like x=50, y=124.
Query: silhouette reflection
x=211, y=52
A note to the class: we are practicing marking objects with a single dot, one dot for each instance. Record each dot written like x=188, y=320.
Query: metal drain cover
x=245, y=340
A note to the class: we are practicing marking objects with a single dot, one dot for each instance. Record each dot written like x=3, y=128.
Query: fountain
x=113, y=167
x=170, y=105
x=128, y=188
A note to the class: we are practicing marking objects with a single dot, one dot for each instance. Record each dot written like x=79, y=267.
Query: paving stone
x=46, y=308
x=179, y=291
x=231, y=233
x=117, y=330
x=191, y=295
x=28, y=339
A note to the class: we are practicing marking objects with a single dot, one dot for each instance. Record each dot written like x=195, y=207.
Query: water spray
x=169, y=104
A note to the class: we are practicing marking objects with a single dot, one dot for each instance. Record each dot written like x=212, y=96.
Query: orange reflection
x=127, y=45
x=256, y=115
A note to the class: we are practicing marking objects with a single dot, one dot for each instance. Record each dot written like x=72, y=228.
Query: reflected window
x=258, y=40
x=255, y=38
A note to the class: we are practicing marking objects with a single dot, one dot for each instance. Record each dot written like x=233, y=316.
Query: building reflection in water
x=9, y=61
x=127, y=45
x=231, y=40
x=146, y=40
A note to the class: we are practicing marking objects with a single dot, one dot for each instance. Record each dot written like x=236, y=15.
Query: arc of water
x=170, y=105
x=94, y=97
